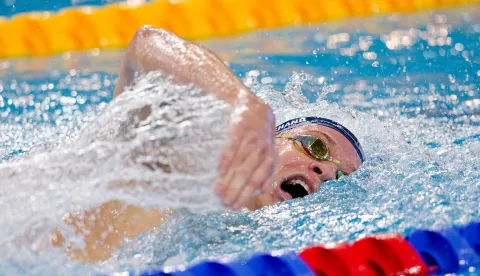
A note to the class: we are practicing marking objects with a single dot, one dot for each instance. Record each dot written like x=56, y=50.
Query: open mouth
x=295, y=187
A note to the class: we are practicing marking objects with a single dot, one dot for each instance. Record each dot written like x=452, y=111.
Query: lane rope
x=113, y=25
x=422, y=252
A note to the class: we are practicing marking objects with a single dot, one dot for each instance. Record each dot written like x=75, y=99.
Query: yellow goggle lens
x=316, y=147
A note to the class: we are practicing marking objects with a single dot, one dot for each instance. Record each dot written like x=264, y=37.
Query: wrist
x=244, y=97
x=247, y=104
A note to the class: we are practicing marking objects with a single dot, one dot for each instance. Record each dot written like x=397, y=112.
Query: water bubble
x=459, y=47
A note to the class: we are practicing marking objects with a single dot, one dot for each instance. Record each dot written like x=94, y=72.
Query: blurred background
x=407, y=85
x=12, y=7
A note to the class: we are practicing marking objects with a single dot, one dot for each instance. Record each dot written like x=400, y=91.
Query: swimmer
x=283, y=162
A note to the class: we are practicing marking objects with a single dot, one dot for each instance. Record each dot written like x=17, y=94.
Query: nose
x=324, y=170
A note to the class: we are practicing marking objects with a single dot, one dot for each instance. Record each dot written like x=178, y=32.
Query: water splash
x=163, y=137
x=293, y=92
x=416, y=117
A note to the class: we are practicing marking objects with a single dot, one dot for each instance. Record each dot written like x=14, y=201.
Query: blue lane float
x=287, y=264
x=450, y=250
x=445, y=249
x=471, y=233
x=206, y=268
x=214, y=268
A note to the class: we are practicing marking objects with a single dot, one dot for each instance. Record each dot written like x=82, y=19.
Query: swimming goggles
x=293, y=123
x=313, y=147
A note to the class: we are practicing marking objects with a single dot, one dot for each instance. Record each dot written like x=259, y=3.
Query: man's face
x=298, y=174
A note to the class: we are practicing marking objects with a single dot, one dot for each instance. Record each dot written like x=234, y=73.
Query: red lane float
x=387, y=254
x=384, y=254
x=334, y=259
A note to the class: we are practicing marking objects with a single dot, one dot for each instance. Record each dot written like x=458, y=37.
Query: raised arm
x=249, y=157
x=159, y=50
x=246, y=163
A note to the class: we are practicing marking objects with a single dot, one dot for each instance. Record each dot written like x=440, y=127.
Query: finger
x=269, y=165
x=265, y=171
x=262, y=172
x=241, y=177
x=267, y=183
x=247, y=145
x=224, y=165
x=267, y=159
x=261, y=175
x=244, y=196
x=230, y=149
x=227, y=157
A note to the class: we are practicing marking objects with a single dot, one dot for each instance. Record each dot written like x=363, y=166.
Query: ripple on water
x=406, y=85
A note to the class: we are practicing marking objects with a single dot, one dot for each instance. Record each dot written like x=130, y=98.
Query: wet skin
x=246, y=164
x=130, y=221
x=295, y=165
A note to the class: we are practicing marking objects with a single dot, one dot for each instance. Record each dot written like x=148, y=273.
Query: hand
x=249, y=158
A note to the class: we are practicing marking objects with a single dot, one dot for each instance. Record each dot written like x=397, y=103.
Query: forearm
x=158, y=50
x=252, y=124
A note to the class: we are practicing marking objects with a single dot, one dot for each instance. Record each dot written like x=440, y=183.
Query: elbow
x=147, y=32
x=146, y=45
x=139, y=42
x=144, y=32
x=140, y=35
x=147, y=36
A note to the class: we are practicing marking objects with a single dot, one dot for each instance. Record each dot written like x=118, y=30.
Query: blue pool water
x=407, y=86
x=11, y=7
